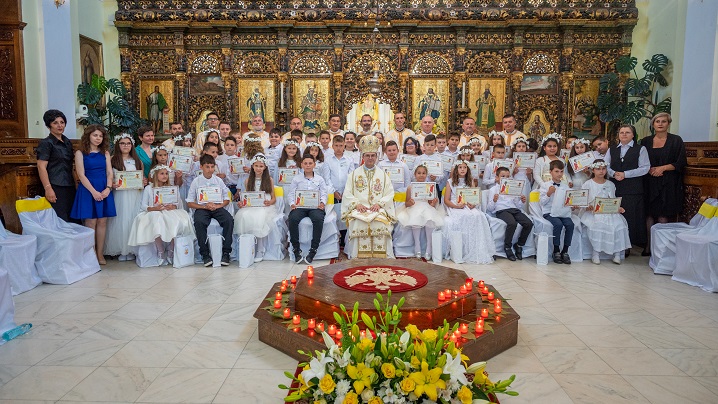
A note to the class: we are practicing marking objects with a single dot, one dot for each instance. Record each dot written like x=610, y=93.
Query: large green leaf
x=99, y=83
x=657, y=63
x=633, y=112
x=605, y=100
x=660, y=79
x=116, y=87
x=625, y=64
x=638, y=87
x=663, y=106
x=87, y=94
x=608, y=81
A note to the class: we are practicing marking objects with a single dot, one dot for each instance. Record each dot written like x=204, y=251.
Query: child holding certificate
x=422, y=213
x=127, y=200
x=607, y=232
x=161, y=157
x=495, y=139
x=467, y=155
x=231, y=164
x=398, y=171
x=509, y=208
x=160, y=220
x=208, y=196
x=467, y=218
x=315, y=149
x=433, y=161
x=308, y=196
x=287, y=168
x=553, y=195
x=256, y=205
x=549, y=153
x=526, y=174
x=579, y=175
x=498, y=157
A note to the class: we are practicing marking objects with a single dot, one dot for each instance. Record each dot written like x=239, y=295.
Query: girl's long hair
x=266, y=185
x=156, y=182
x=85, y=140
x=320, y=156
x=251, y=148
x=283, y=159
x=455, y=176
x=118, y=163
x=543, y=146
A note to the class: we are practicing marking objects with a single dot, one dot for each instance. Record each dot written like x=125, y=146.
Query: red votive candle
x=481, y=284
x=497, y=306
x=320, y=326
x=277, y=304
x=311, y=323
x=456, y=293
x=294, y=279
x=457, y=333
x=480, y=326
x=484, y=313
x=464, y=328
x=453, y=338
x=339, y=334
x=283, y=288
x=287, y=313
x=442, y=296
x=491, y=296
x=468, y=286
x=285, y=283
x=462, y=290
x=310, y=272
x=296, y=319
x=332, y=329
x=278, y=296
x=485, y=290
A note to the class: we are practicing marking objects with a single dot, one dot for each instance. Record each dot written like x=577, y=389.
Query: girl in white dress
x=410, y=152
x=161, y=157
x=186, y=177
x=257, y=220
x=478, y=245
x=127, y=201
x=496, y=138
x=520, y=145
x=289, y=159
x=466, y=154
x=549, y=152
x=315, y=149
x=418, y=215
x=159, y=223
x=607, y=232
x=251, y=146
x=579, y=146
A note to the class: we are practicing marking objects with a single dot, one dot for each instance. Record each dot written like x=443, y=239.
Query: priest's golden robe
x=369, y=233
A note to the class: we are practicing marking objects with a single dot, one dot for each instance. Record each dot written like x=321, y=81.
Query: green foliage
x=117, y=115
x=631, y=99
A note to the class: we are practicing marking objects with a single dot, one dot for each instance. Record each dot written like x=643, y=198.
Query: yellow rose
x=413, y=331
x=376, y=400
x=388, y=370
x=415, y=362
x=327, y=384
x=351, y=398
x=407, y=385
x=429, y=335
x=464, y=394
x=365, y=344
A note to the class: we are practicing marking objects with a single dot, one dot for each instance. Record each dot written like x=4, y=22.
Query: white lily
x=479, y=401
x=404, y=339
x=328, y=341
x=317, y=367
x=454, y=368
x=476, y=367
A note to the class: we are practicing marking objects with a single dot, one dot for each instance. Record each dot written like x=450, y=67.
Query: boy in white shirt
x=392, y=161
x=325, y=140
x=340, y=165
x=206, y=211
x=509, y=209
x=274, y=151
x=440, y=143
x=499, y=153
x=553, y=195
x=430, y=154
x=452, y=144
x=306, y=181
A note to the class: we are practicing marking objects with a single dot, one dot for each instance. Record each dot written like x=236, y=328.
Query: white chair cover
x=275, y=247
x=147, y=256
x=17, y=256
x=543, y=225
x=7, y=306
x=65, y=251
x=663, y=238
x=498, y=230
x=697, y=257
x=329, y=242
x=215, y=228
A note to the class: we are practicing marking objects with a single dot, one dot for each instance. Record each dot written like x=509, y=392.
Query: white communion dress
x=255, y=220
x=607, y=232
x=421, y=213
x=478, y=244
x=166, y=224
x=127, y=205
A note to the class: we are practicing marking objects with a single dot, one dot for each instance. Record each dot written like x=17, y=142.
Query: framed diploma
x=129, y=180
x=474, y=168
x=468, y=195
x=396, y=174
x=435, y=168
x=578, y=198
x=504, y=163
x=183, y=151
x=209, y=194
x=179, y=162
x=563, y=154
x=482, y=160
x=447, y=162
x=525, y=160
x=606, y=205
x=236, y=165
x=306, y=199
x=581, y=161
x=408, y=159
x=252, y=199
x=423, y=191
x=286, y=175
x=165, y=196
x=511, y=187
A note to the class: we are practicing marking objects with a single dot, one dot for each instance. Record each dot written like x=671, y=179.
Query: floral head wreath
x=598, y=164
x=466, y=151
x=584, y=141
x=476, y=140
x=125, y=136
x=253, y=139
x=212, y=130
x=554, y=136
x=288, y=142
x=517, y=140
x=188, y=135
x=458, y=163
x=259, y=157
x=313, y=144
x=494, y=133
x=178, y=138
x=157, y=168
x=160, y=147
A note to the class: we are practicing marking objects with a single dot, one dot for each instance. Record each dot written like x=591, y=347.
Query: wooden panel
x=13, y=117
x=701, y=177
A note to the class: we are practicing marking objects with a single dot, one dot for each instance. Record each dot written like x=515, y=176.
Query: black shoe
x=207, y=261
x=519, y=250
x=566, y=259
x=557, y=258
x=628, y=252
x=645, y=253
x=509, y=254
x=310, y=257
x=225, y=260
x=297, y=256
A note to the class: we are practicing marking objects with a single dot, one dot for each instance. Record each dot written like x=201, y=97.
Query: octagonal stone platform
x=320, y=297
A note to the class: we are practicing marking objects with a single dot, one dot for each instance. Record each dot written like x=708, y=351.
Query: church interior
x=643, y=331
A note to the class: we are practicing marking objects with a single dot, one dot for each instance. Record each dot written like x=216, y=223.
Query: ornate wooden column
x=13, y=117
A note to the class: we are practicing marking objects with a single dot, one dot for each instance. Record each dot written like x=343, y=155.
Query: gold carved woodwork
x=594, y=61
x=205, y=64
x=360, y=68
x=153, y=62
x=489, y=63
x=431, y=63
x=542, y=63
x=254, y=63
x=311, y=64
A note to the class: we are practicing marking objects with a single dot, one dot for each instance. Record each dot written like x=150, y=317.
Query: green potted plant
x=116, y=114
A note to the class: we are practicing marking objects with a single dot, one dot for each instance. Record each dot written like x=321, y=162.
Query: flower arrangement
x=386, y=364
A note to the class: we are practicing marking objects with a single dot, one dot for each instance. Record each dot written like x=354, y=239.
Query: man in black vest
x=627, y=163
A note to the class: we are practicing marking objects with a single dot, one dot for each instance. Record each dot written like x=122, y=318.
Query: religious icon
x=537, y=127
x=430, y=105
x=311, y=103
x=255, y=97
x=585, y=111
x=157, y=98
x=486, y=109
x=539, y=84
x=256, y=103
x=430, y=98
x=90, y=59
x=487, y=98
x=156, y=104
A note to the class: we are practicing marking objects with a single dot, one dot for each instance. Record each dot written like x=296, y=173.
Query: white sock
x=428, y=230
x=260, y=245
x=416, y=232
x=595, y=255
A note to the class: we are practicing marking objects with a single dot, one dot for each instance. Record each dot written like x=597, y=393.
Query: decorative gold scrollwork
x=541, y=63
x=311, y=63
x=205, y=64
x=431, y=63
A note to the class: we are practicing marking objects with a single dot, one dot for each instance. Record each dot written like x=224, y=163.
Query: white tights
x=416, y=231
x=260, y=246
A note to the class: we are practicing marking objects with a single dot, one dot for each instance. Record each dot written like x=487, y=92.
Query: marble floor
x=587, y=334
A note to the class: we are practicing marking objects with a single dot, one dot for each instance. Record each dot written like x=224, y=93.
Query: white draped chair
x=215, y=228
x=663, y=238
x=7, y=306
x=697, y=256
x=329, y=242
x=17, y=256
x=498, y=231
x=403, y=237
x=65, y=251
x=542, y=225
x=276, y=243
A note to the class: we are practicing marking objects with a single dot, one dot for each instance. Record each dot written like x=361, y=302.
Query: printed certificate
x=447, y=162
x=252, y=199
x=129, y=180
x=525, y=159
x=209, y=194
x=179, y=162
x=504, y=163
x=606, y=205
x=423, y=191
x=475, y=168
x=165, y=196
x=435, y=168
x=307, y=199
x=183, y=151
x=286, y=175
x=408, y=159
x=563, y=155
x=468, y=195
x=236, y=165
x=482, y=160
x=578, y=198
x=396, y=174
x=511, y=187
x=581, y=161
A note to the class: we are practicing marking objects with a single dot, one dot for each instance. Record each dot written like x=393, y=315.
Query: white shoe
x=617, y=259
x=595, y=259
x=259, y=258
x=122, y=258
x=418, y=255
x=427, y=257
x=131, y=257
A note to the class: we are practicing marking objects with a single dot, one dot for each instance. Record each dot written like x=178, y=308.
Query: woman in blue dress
x=93, y=200
x=144, y=149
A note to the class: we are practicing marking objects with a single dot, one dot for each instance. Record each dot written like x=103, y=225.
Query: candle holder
x=461, y=114
x=281, y=119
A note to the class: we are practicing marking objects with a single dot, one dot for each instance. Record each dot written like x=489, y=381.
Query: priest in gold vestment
x=368, y=206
